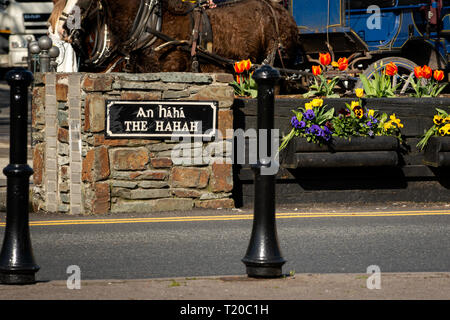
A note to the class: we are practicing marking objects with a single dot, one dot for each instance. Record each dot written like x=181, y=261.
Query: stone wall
x=78, y=171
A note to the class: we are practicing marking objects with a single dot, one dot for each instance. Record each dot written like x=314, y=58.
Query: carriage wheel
x=405, y=73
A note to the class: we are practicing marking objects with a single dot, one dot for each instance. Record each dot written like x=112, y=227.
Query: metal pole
x=17, y=264
x=263, y=257
x=45, y=43
x=34, y=52
x=54, y=53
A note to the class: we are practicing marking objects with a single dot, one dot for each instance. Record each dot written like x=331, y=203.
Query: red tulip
x=438, y=75
x=325, y=58
x=343, y=63
x=239, y=67
x=246, y=64
x=316, y=70
x=427, y=73
x=391, y=69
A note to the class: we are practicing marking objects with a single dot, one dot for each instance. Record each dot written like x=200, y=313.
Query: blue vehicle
x=407, y=32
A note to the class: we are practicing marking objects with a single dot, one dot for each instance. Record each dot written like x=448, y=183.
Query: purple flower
x=315, y=130
x=326, y=133
x=309, y=114
x=297, y=124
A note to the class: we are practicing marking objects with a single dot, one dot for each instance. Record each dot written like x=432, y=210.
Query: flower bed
x=355, y=137
x=437, y=152
x=356, y=152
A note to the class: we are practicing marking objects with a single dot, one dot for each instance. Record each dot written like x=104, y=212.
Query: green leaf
x=442, y=112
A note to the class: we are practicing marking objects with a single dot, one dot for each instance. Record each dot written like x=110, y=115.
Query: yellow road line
x=287, y=215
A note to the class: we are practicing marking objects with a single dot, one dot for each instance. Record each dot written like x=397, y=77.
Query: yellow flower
x=371, y=112
x=446, y=129
x=317, y=102
x=354, y=104
x=396, y=121
x=442, y=131
x=447, y=119
x=335, y=64
x=438, y=120
x=308, y=106
x=359, y=92
x=387, y=125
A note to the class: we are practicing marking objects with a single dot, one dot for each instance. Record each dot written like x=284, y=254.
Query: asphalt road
x=185, y=248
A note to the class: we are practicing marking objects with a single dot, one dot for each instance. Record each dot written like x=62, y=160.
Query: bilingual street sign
x=160, y=119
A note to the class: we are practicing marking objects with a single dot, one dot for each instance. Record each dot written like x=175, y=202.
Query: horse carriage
x=407, y=32
x=209, y=36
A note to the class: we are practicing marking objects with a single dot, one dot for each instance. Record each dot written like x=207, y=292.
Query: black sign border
x=213, y=103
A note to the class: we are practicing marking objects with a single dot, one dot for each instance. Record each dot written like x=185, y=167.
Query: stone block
x=124, y=184
x=137, y=194
x=186, y=177
x=38, y=163
x=142, y=95
x=223, y=94
x=101, y=203
x=225, y=123
x=63, y=118
x=215, y=204
x=221, y=177
x=63, y=135
x=96, y=165
x=95, y=106
x=129, y=158
x=37, y=108
x=186, y=193
x=186, y=77
x=61, y=92
x=161, y=163
x=153, y=184
x=140, y=175
x=223, y=77
x=98, y=83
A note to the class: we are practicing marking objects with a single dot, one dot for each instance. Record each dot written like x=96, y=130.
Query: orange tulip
x=316, y=70
x=391, y=69
x=238, y=79
x=239, y=67
x=325, y=58
x=427, y=73
x=438, y=75
x=418, y=72
x=343, y=63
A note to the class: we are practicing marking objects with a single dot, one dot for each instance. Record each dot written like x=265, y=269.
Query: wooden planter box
x=356, y=152
x=437, y=152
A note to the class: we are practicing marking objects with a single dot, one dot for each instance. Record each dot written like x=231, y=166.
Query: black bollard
x=17, y=264
x=263, y=257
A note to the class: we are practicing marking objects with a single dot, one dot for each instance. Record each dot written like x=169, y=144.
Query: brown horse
x=241, y=29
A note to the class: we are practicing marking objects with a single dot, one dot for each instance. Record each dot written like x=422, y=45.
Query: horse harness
x=148, y=15
x=146, y=29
